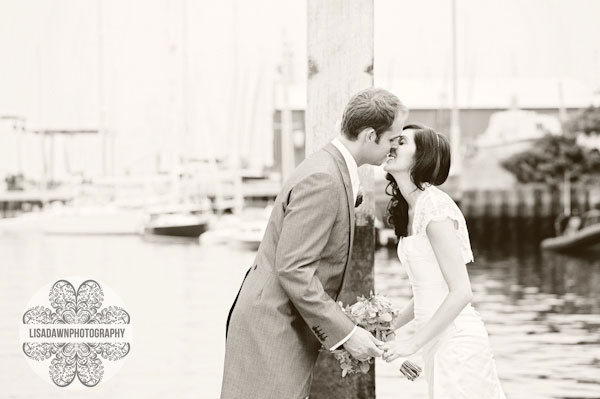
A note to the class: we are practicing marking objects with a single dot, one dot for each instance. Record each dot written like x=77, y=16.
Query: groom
x=286, y=308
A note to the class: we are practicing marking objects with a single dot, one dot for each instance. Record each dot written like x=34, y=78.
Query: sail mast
x=454, y=116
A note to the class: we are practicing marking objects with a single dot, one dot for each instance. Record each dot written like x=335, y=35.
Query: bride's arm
x=406, y=315
x=444, y=241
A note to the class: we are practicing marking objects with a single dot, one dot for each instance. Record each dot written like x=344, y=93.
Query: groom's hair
x=373, y=107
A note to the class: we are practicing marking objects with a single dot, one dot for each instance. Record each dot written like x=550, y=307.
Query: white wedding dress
x=458, y=363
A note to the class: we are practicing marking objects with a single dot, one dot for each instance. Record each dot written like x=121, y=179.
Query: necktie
x=359, y=197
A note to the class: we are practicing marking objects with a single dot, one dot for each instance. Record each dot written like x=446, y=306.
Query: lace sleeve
x=437, y=205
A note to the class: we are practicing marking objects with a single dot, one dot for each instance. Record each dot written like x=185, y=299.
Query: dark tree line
x=551, y=158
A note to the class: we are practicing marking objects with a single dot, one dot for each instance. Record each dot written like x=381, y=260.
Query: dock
x=14, y=202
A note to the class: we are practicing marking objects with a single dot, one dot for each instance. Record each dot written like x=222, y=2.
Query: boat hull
x=192, y=230
x=585, y=239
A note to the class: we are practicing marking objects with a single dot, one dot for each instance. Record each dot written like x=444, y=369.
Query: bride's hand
x=398, y=348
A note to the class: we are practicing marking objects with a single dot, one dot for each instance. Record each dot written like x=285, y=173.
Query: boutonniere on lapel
x=359, y=198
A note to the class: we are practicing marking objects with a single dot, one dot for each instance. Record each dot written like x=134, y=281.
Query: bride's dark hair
x=431, y=165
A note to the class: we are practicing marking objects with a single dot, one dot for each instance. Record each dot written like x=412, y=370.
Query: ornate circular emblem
x=75, y=333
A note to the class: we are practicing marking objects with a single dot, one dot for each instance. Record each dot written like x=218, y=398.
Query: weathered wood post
x=340, y=63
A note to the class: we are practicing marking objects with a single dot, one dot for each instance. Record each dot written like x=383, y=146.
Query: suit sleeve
x=307, y=224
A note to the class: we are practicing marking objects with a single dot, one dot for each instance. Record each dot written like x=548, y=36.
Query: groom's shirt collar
x=351, y=164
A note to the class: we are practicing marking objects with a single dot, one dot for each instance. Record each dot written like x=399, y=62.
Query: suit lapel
x=343, y=168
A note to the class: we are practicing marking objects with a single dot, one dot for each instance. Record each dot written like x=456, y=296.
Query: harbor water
x=542, y=310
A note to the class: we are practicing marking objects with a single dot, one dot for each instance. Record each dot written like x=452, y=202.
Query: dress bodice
x=417, y=256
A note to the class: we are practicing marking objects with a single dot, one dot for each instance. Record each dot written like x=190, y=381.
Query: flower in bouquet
x=375, y=314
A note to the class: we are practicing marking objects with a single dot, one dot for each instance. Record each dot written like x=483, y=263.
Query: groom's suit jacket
x=286, y=308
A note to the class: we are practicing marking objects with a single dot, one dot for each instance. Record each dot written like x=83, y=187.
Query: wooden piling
x=512, y=204
x=527, y=201
x=340, y=63
x=546, y=203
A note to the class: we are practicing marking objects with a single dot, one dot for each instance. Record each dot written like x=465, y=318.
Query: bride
x=434, y=248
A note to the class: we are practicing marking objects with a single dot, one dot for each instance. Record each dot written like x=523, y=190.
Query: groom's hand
x=363, y=345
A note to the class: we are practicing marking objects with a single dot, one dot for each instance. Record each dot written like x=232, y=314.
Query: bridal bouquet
x=376, y=315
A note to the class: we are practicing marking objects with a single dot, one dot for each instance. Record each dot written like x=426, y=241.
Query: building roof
x=497, y=93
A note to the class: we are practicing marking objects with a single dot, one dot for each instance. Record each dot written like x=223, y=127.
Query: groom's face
x=388, y=141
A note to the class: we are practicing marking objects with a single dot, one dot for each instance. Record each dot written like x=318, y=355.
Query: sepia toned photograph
x=294, y=199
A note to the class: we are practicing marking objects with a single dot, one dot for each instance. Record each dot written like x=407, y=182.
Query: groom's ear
x=367, y=135
x=371, y=135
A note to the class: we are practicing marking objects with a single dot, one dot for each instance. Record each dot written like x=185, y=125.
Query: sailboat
x=188, y=213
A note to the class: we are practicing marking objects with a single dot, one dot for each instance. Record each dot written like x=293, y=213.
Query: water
x=542, y=311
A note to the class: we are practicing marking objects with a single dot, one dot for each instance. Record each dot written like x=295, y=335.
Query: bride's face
x=404, y=155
